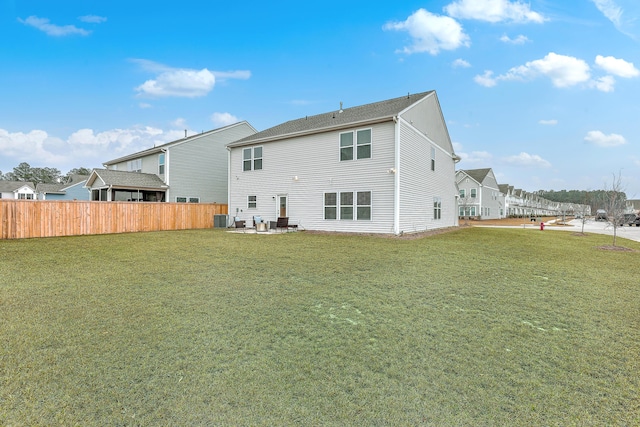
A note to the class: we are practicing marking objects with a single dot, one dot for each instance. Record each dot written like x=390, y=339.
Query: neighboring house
x=633, y=205
x=17, y=190
x=480, y=196
x=192, y=169
x=72, y=190
x=119, y=186
x=386, y=167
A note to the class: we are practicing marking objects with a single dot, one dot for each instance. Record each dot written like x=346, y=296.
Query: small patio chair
x=282, y=223
x=240, y=223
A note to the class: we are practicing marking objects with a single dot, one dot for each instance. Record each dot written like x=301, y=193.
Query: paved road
x=590, y=226
x=601, y=227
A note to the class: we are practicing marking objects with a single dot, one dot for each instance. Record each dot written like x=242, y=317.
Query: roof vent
x=340, y=107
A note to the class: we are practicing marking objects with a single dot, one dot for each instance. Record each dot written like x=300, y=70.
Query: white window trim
x=354, y=206
x=354, y=146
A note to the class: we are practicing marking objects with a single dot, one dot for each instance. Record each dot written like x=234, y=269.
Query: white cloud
x=27, y=147
x=182, y=82
x=223, y=119
x=518, y=40
x=239, y=74
x=486, y=80
x=475, y=157
x=44, y=25
x=460, y=63
x=551, y=122
x=617, y=67
x=604, y=84
x=179, y=123
x=493, y=11
x=92, y=19
x=527, y=160
x=564, y=71
x=623, y=14
x=84, y=147
x=610, y=10
x=598, y=138
x=430, y=33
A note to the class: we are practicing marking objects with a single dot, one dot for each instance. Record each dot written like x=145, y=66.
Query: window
x=346, y=146
x=472, y=211
x=461, y=211
x=474, y=192
x=433, y=159
x=364, y=205
x=346, y=205
x=462, y=193
x=134, y=165
x=363, y=145
x=437, y=208
x=330, y=206
x=350, y=203
x=161, y=164
x=25, y=196
x=252, y=159
x=188, y=199
x=252, y=202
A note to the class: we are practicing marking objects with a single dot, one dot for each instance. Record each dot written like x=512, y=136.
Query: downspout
x=228, y=180
x=396, y=179
x=167, y=193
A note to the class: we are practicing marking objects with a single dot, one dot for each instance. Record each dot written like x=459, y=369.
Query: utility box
x=220, y=220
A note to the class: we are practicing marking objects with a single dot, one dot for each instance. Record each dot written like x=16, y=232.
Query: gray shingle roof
x=382, y=110
x=123, y=179
x=478, y=174
x=9, y=186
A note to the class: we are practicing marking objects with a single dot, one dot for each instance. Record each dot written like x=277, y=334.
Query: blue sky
x=545, y=92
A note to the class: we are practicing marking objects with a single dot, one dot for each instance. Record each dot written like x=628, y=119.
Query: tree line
x=593, y=198
x=24, y=172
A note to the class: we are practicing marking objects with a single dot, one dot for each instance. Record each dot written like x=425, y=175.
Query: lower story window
x=349, y=205
x=252, y=202
x=188, y=199
x=437, y=208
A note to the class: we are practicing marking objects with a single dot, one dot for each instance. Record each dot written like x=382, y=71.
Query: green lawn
x=473, y=327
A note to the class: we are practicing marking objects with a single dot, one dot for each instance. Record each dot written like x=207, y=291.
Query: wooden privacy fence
x=21, y=219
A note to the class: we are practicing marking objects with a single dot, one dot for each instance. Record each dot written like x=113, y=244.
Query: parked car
x=631, y=219
x=601, y=215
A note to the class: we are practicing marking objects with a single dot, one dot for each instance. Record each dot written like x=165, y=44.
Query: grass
x=472, y=327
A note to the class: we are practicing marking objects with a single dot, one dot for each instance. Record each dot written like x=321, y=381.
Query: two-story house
x=480, y=196
x=193, y=169
x=385, y=167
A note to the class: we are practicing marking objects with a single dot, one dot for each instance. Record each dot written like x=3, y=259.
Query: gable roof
x=478, y=174
x=360, y=115
x=123, y=179
x=59, y=188
x=11, y=186
x=163, y=147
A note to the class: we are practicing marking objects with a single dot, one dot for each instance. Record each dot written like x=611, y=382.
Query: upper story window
x=361, y=144
x=134, y=165
x=252, y=158
x=462, y=193
x=474, y=192
x=161, y=164
x=433, y=159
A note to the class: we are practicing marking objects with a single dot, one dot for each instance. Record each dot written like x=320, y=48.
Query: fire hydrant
x=541, y=226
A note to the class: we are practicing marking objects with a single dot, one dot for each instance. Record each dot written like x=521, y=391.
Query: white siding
x=315, y=160
x=419, y=184
x=198, y=168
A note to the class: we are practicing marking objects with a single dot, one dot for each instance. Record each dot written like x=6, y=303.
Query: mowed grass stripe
x=474, y=327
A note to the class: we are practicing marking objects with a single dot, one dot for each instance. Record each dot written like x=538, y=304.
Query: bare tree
x=465, y=204
x=615, y=203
